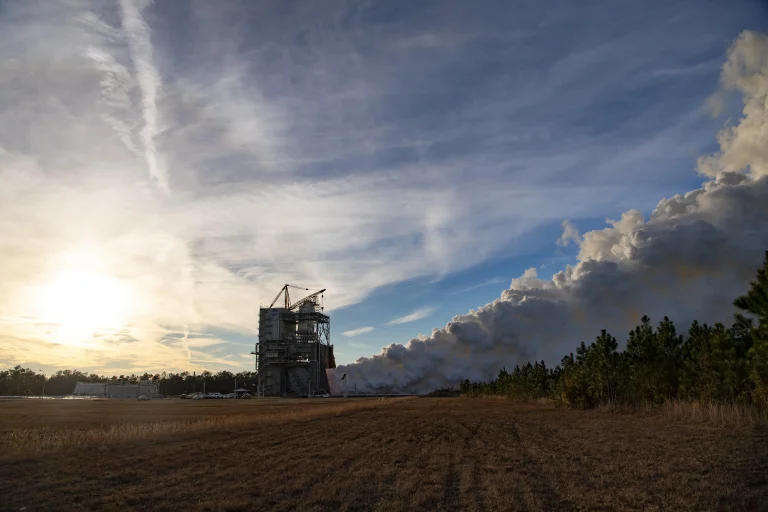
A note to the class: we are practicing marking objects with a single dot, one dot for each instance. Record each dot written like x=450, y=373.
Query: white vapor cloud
x=357, y=332
x=744, y=146
x=570, y=234
x=689, y=260
x=419, y=314
x=140, y=44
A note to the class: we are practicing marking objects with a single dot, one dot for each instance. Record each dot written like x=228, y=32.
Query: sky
x=165, y=167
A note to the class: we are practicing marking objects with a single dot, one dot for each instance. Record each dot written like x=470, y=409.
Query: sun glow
x=84, y=301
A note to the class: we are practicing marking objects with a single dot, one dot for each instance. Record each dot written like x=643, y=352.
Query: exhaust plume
x=688, y=261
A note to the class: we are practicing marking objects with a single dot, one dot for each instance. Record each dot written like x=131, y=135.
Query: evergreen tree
x=755, y=303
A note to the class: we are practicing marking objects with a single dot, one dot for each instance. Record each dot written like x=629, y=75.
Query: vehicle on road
x=143, y=397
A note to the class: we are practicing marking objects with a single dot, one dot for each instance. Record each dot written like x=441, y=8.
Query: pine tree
x=642, y=363
x=668, y=345
x=755, y=303
x=606, y=361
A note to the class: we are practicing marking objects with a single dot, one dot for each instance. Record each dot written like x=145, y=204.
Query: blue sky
x=642, y=125
x=187, y=159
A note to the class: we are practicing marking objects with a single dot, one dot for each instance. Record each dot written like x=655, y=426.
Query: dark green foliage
x=20, y=381
x=444, y=392
x=527, y=383
x=755, y=304
x=651, y=361
x=712, y=364
x=25, y=382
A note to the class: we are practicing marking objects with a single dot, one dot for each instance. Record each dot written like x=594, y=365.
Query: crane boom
x=283, y=289
x=287, y=297
x=305, y=299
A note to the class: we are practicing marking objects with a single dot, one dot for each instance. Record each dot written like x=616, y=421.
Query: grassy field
x=80, y=414
x=398, y=454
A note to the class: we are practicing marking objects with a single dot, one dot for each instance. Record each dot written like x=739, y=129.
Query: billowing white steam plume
x=694, y=255
x=140, y=44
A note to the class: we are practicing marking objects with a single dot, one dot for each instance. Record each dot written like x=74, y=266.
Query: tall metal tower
x=294, y=347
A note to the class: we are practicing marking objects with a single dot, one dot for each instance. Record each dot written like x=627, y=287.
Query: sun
x=84, y=300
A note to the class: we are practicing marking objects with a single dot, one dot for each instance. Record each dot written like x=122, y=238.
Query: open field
x=79, y=414
x=401, y=454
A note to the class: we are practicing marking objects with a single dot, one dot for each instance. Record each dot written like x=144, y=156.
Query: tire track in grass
x=539, y=494
x=416, y=463
x=452, y=491
x=472, y=464
x=451, y=488
x=437, y=485
x=388, y=472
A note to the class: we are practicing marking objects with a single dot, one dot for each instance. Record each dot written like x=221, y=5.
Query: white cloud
x=357, y=332
x=419, y=314
x=139, y=41
x=570, y=234
x=744, y=146
x=203, y=342
x=688, y=261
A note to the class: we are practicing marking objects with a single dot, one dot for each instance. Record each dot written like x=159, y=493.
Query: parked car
x=197, y=397
x=143, y=397
x=244, y=395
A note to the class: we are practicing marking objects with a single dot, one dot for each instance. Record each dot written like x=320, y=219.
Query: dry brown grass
x=84, y=414
x=418, y=454
x=715, y=414
x=724, y=415
x=25, y=440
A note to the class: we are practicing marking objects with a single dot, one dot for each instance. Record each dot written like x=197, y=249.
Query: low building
x=116, y=389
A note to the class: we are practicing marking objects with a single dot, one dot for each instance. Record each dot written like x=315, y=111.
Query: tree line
x=20, y=381
x=713, y=363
